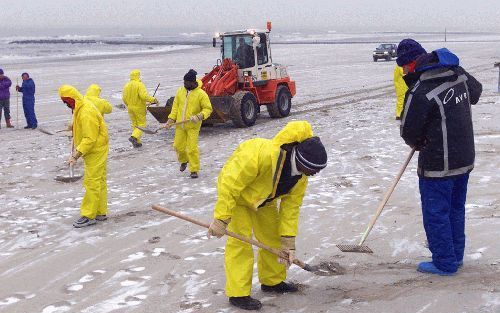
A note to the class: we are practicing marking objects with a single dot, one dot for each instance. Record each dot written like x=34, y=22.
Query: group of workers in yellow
x=260, y=188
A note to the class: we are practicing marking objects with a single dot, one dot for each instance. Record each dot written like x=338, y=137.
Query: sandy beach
x=143, y=261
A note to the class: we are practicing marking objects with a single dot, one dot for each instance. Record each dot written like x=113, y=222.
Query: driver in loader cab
x=260, y=191
x=244, y=54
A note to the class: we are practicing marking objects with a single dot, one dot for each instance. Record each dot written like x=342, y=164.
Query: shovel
x=322, y=269
x=72, y=177
x=365, y=249
x=45, y=131
x=151, y=132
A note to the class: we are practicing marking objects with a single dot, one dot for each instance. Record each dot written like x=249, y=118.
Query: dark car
x=385, y=51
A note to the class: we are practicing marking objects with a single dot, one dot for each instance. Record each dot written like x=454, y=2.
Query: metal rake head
x=355, y=248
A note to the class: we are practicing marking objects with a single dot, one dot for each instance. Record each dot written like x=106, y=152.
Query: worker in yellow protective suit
x=260, y=191
x=90, y=137
x=135, y=96
x=93, y=94
x=401, y=88
x=190, y=103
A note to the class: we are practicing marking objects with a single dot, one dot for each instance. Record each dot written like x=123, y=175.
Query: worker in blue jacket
x=28, y=90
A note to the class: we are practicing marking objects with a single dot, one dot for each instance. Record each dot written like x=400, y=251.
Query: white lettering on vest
x=449, y=95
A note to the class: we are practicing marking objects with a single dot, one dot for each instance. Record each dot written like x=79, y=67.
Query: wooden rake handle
x=229, y=233
x=386, y=197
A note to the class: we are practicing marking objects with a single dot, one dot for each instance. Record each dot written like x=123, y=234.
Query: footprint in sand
x=84, y=279
x=58, y=307
x=15, y=298
x=132, y=281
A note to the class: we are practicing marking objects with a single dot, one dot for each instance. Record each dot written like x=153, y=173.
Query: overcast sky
x=290, y=15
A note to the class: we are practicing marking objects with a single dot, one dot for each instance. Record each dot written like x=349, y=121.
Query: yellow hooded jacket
x=90, y=133
x=401, y=88
x=251, y=175
x=135, y=95
x=197, y=102
x=93, y=93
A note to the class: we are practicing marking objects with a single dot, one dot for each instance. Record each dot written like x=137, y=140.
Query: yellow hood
x=296, y=131
x=68, y=91
x=135, y=75
x=93, y=91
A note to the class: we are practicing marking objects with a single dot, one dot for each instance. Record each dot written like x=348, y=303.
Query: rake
x=322, y=269
x=360, y=247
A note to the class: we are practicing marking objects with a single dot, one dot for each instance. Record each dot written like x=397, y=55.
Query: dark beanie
x=408, y=51
x=311, y=154
x=190, y=76
x=1, y=71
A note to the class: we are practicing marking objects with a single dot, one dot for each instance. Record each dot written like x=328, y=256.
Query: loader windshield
x=239, y=48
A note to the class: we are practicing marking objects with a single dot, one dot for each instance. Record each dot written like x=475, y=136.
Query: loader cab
x=250, y=50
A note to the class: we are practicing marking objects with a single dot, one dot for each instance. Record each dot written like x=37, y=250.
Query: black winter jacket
x=437, y=115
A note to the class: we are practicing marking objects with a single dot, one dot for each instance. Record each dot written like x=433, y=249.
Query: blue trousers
x=443, y=210
x=29, y=112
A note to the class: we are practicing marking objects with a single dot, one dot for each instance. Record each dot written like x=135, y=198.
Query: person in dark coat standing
x=28, y=90
x=5, y=84
x=437, y=122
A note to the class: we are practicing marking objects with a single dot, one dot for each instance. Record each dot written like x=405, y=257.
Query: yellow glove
x=217, y=228
x=287, y=249
x=155, y=101
x=196, y=118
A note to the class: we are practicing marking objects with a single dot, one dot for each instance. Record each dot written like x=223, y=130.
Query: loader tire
x=244, y=109
x=283, y=103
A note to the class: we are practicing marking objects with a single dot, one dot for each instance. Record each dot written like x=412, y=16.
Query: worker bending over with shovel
x=260, y=191
x=135, y=96
x=190, y=103
x=90, y=136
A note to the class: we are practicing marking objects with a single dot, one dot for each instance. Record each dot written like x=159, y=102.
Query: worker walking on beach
x=190, y=103
x=93, y=94
x=5, y=84
x=437, y=122
x=260, y=191
x=28, y=90
x=90, y=137
x=135, y=96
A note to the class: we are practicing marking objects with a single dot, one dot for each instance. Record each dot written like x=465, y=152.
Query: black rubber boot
x=183, y=167
x=246, y=303
x=279, y=288
x=194, y=175
x=134, y=142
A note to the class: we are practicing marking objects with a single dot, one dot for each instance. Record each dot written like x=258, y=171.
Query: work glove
x=169, y=123
x=288, y=250
x=217, y=228
x=196, y=118
x=155, y=101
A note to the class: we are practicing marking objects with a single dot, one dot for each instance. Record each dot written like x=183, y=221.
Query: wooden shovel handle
x=229, y=233
x=386, y=197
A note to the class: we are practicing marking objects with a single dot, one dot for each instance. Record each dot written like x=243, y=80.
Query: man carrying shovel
x=190, y=103
x=135, y=96
x=90, y=137
x=258, y=175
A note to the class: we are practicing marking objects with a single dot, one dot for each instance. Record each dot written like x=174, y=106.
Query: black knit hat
x=311, y=154
x=190, y=76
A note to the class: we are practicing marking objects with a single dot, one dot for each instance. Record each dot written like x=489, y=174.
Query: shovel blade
x=147, y=131
x=43, y=130
x=325, y=269
x=68, y=179
x=354, y=248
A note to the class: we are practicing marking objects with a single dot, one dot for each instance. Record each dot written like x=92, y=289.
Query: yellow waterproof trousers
x=95, y=201
x=239, y=256
x=137, y=118
x=186, y=146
